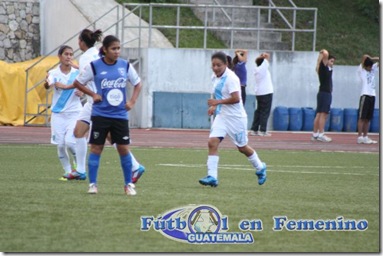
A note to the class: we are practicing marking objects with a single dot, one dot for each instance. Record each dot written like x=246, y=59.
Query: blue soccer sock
x=126, y=164
x=93, y=164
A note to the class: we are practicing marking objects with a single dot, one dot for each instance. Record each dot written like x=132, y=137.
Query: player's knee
x=71, y=146
x=61, y=150
x=78, y=134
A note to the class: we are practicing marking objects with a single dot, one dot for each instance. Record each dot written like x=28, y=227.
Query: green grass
x=39, y=213
x=348, y=29
x=345, y=30
x=192, y=38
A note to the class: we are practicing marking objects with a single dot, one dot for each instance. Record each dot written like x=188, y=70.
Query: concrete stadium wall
x=189, y=71
x=60, y=20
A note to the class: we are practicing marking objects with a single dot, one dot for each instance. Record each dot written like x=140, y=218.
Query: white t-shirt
x=222, y=88
x=263, y=83
x=64, y=100
x=87, y=57
x=368, y=79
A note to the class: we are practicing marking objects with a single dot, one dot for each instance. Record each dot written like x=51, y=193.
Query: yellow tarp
x=13, y=90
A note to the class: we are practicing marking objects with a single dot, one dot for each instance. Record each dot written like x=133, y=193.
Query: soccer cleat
x=62, y=178
x=92, y=188
x=129, y=189
x=75, y=176
x=324, y=138
x=209, y=181
x=261, y=174
x=137, y=173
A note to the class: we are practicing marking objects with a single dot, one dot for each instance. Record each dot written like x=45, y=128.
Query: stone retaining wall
x=19, y=30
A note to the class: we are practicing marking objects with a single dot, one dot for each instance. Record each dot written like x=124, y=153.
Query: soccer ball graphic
x=204, y=221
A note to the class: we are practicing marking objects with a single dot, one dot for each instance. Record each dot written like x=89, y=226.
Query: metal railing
x=211, y=11
x=229, y=26
x=294, y=22
x=43, y=109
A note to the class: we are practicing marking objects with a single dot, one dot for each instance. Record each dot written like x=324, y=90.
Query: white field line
x=238, y=167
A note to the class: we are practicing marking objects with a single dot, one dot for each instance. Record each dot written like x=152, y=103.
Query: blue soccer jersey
x=110, y=82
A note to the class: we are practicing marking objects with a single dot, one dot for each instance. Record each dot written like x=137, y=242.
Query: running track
x=171, y=138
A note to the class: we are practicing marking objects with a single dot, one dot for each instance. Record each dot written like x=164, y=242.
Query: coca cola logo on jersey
x=117, y=83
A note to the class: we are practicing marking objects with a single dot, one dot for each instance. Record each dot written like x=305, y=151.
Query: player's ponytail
x=97, y=36
x=89, y=37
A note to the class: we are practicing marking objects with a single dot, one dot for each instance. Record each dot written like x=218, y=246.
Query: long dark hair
x=108, y=40
x=221, y=56
x=63, y=48
x=89, y=37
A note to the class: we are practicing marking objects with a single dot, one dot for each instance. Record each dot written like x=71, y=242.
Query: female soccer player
x=110, y=108
x=86, y=41
x=231, y=119
x=65, y=107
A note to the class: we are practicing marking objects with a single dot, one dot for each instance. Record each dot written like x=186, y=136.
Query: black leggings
x=262, y=113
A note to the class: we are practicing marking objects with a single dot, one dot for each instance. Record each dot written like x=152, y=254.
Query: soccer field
x=39, y=213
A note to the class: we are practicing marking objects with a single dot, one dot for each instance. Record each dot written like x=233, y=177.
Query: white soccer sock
x=135, y=164
x=72, y=149
x=255, y=161
x=81, y=150
x=64, y=158
x=212, y=166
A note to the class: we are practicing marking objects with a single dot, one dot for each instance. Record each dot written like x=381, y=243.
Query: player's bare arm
x=96, y=97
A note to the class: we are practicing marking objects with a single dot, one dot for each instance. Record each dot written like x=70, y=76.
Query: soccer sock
x=64, y=158
x=126, y=164
x=255, y=161
x=212, y=166
x=135, y=164
x=81, y=150
x=93, y=164
x=72, y=149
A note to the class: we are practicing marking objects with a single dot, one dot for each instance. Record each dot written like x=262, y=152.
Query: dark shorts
x=323, y=102
x=118, y=128
x=366, y=107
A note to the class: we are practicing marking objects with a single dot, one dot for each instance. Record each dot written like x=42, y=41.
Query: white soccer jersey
x=222, y=88
x=368, y=79
x=64, y=100
x=88, y=56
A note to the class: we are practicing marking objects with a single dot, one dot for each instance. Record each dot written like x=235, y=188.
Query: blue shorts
x=324, y=100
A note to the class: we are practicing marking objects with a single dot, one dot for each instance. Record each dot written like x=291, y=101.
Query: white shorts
x=62, y=127
x=235, y=127
x=85, y=113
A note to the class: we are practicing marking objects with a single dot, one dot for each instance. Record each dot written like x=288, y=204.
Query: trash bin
x=295, y=119
x=336, y=119
x=350, y=119
x=280, y=118
x=308, y=116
